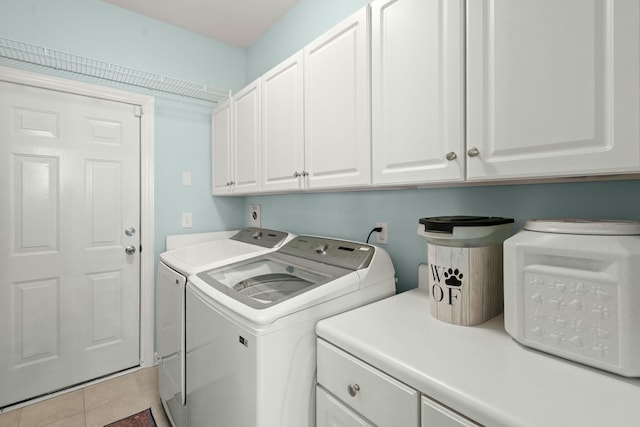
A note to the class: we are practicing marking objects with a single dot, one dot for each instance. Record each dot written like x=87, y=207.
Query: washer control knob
x=322, y=249
x=353, y=389
x=257, y=235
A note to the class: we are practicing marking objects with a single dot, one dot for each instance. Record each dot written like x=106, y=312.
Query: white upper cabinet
x=552, y=88
x=283, y=126
x=337, y=106
x=417, y=91
x=247, y=139
x=236, y=143
x=221, y=149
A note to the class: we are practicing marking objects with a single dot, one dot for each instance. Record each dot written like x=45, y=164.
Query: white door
x=283, y=126
x=70, y=187
x=417, y=91
x=338, y=105
x=221, y=149
x=552, y=87
x=246, y=136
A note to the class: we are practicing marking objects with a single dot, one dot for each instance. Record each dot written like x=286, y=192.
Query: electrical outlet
x=382, y=236
x=187, y=220
x=254, y=216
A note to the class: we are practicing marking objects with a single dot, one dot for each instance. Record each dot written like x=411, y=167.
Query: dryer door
x=170, y=342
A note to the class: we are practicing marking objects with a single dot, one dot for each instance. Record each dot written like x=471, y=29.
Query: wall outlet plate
x=382, y=236
x=254, y=216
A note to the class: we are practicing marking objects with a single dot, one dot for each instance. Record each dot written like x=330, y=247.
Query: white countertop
x=480, y=371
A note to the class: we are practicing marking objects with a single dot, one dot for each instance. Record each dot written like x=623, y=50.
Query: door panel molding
x=146, y=104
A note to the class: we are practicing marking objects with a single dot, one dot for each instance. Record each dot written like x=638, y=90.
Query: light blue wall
x=306, y=21
x=98, y=30
x=351, y=215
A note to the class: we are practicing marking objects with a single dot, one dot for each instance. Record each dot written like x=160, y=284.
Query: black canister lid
x=445, y=224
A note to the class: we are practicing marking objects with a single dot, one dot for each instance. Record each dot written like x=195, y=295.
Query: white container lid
x=600, y=227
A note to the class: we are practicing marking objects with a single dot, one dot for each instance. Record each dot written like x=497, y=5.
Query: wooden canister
x=465, y=284
x=465, y=267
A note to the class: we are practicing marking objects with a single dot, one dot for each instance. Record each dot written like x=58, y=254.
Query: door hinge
x=137, y=111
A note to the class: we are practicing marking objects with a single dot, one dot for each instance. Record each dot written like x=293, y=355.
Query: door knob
x=130, y=250
x=473, y=152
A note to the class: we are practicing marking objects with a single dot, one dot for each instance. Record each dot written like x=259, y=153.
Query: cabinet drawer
x=436, y=415
x=377, y=396
x=330, y=412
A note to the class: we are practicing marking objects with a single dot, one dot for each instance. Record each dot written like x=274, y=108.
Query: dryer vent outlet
x=254, y=216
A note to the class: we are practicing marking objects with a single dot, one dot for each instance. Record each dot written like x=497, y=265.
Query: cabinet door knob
x=305, y=173
x=353, y=389
x=296, y=174
x=473, y=152
x=232, y=183
x=451, y=156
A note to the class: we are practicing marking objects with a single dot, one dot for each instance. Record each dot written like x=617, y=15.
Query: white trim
x=147, y=223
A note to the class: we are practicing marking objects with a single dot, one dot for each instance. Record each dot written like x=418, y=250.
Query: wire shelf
x=24, y=52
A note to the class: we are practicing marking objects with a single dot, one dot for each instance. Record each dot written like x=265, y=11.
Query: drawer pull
x=353, y=389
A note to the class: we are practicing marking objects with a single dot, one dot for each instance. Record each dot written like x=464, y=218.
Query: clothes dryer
x=250, y=343
x=174, y=268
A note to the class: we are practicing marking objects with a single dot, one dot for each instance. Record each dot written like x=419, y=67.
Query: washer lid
x=269, y=279
x=601, y=227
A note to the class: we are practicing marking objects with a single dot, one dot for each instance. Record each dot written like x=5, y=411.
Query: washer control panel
x=341, y=253
x=261, y=237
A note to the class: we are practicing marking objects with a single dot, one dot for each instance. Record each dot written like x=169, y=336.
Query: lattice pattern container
x=572, y=289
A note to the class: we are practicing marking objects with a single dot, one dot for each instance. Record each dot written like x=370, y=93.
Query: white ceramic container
x=572, y=289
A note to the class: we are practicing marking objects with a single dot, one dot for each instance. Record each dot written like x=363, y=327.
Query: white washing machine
x=174, y=268
x=251, y=347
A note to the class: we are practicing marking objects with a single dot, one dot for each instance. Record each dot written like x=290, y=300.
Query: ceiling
x=236, y=22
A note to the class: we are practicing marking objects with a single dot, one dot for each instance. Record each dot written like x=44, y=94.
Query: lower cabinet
x=436, y=415
x=353, y=393
x=330, y=412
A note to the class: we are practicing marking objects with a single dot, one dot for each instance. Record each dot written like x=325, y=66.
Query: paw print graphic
x=453, y=277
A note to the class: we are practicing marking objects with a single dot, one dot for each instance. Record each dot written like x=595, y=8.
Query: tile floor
x=95, y=405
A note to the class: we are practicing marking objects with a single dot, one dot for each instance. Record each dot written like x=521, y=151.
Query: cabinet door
x=330, y=412
x=417, y=91
x=552, y=87
x=436, y=415
x=246, y=137
x=338, y=107
x=282, y=126
x=221, y=149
